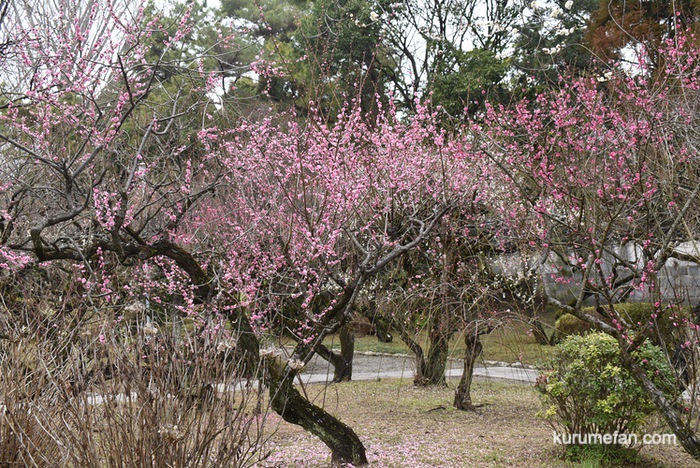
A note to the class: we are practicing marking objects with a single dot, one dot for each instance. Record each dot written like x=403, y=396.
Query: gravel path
x=367, y=366
x=365, y=363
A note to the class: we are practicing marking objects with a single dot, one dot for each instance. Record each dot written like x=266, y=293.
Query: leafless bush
x=143, y=396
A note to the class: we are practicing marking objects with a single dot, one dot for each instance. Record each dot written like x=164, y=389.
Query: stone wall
x=679, y=280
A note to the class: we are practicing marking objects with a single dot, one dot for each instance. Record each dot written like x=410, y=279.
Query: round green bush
x=568, y=325
x=586, y=389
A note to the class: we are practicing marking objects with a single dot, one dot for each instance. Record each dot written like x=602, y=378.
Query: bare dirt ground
x=406, y=426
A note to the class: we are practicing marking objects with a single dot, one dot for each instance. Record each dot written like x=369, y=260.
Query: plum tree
x=605, y=169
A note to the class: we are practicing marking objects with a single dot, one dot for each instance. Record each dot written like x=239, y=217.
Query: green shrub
x=552, y=312
x=568, y=325
x=586, y=390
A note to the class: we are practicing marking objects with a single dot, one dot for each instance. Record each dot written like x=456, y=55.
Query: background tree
x=456, y=50
x=328, y=53
x=4, y=6
x=553, y=39
x=621, y=30
x=270, y=28
x=343, y=45
x=324, y=53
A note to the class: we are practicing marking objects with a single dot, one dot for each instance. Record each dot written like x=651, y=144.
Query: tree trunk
x=383, y=334
x=421, y=367
x=670, y=411
x=540, y=334
x=463, y=398
x=441, y=328
x=347, y=351
x=247, y=351
x=342, y=363
x=431, y=371
x=381, y=325
x=286, y=400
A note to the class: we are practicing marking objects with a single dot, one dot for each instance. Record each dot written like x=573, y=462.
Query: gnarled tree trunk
x=540, y=334
x=382, y=326
x=383, y=331
x=463, y=398
x=430, y=369
x=247, y=353
x=286, y=400
x=441, y=322
x=433, y=370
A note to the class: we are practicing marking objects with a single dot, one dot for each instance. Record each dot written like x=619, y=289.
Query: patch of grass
x=508, y=344
x=514, y=344
x=402, y=425
x=601, y=456
x=371, y=344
